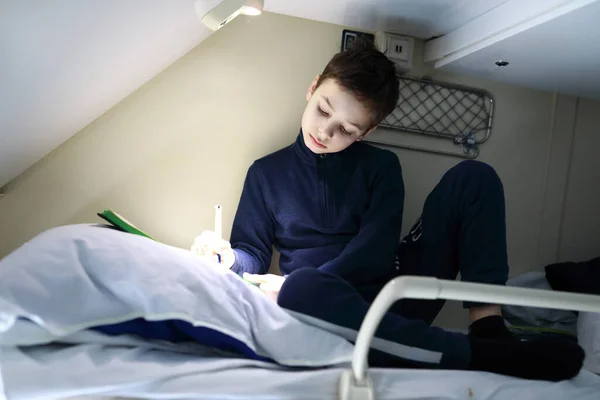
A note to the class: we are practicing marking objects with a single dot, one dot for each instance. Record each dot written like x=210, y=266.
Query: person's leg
x=462, y=229
x=336, y=305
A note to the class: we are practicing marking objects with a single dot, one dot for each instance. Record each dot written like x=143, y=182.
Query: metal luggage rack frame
x=458, y=113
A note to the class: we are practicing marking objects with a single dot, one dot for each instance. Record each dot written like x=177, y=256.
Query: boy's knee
x=479, y=168
x=476, y=171
x=303, y=277
x=300, y=288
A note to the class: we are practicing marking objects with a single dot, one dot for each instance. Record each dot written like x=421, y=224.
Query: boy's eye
x=345, y=132
x=322, y=111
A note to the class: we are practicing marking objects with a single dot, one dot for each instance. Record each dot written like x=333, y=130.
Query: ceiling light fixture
x=226, y=11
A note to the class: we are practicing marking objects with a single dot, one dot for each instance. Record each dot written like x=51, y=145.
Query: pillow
x=79, y=277
x=588, y=336
x=546, y=318
x=579, y=277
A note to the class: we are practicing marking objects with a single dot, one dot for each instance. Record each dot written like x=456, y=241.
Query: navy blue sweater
x=339, y=212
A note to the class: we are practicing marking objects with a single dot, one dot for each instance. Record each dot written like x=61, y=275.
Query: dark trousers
x=462, y=229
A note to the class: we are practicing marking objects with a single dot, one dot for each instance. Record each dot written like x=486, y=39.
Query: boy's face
x=333, y=118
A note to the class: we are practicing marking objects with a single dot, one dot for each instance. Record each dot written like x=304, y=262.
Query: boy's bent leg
x=462, y=229
x=477, y=195
x=398, y=342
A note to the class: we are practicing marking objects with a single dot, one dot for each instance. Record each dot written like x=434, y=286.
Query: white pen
x=218, y=221
x=218, y=225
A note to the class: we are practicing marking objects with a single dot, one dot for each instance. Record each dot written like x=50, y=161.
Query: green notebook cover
x=121, y=223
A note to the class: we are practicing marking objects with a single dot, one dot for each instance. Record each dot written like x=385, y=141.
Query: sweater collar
x=311, y=158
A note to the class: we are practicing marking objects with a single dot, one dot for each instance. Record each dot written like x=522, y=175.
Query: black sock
x=542, y=358
x=491, y=327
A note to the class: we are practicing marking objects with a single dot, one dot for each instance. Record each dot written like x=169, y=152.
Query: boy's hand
x=270, y=284
x=211, y=246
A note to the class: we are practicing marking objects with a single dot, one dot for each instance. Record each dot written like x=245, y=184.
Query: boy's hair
x=368, y=74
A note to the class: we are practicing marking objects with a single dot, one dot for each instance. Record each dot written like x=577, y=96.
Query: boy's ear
x=367, y=133
x=312, y=88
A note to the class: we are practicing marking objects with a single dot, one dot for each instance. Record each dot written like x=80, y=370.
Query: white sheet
x=109, y=371
x=588, y=335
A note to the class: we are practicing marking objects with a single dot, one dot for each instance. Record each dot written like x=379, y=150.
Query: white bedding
x=560, y=320
x=109, y=371
x=72, y=278
x=588, y=335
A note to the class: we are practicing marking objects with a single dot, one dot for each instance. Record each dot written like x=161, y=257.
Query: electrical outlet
x=398, y=48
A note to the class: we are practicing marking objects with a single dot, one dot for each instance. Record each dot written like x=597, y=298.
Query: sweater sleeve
x=370, y=254
x=253, y=228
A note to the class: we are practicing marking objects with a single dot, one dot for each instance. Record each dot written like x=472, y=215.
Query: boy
x=332, y=205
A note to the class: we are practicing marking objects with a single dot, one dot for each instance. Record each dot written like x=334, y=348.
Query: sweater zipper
x=325, y=215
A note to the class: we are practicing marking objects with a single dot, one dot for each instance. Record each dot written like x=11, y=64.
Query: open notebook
x=121, y=223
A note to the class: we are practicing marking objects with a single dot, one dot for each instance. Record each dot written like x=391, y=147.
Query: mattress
x=90, y=370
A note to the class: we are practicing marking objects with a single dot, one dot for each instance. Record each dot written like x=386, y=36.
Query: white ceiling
x=556, y=49
x=63, y=63
x=418, y=18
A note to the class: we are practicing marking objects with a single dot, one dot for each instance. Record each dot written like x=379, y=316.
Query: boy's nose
x=326, y=131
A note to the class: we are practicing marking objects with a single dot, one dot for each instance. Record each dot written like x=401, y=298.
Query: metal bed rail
x=355, y=383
